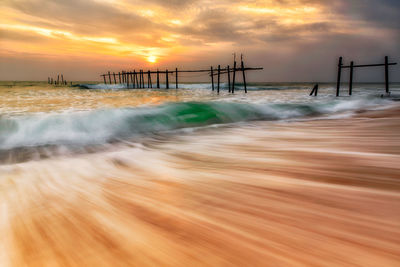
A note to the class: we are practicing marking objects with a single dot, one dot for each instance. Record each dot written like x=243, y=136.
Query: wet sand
x=312, y=193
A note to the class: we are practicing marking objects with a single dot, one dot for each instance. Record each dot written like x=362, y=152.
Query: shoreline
x=322, y=192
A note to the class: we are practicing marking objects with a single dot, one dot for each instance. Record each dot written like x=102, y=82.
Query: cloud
x=135, y=29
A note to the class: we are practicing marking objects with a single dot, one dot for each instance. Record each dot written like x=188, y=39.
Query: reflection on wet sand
x=266, y=194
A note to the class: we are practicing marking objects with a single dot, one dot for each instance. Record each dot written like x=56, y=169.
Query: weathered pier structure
x=59, y=81
x=352, y=66
x=138, y=79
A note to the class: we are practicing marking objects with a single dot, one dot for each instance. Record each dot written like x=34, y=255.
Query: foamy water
x=38, y=115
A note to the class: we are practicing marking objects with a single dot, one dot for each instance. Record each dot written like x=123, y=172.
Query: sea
x=38, y=120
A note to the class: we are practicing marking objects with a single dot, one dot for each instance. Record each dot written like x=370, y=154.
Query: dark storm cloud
x=385, y=13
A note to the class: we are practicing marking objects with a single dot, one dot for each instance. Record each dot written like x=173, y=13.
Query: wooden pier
x=57, y=82
x=352, y=66
x=131, y=79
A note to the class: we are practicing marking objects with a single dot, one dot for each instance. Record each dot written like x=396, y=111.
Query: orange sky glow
x=83, y=38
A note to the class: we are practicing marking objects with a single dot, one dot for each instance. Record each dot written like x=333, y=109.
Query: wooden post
x=142, y=79
x=166, y=79
x=314, y=90
x=48, y=80
x=212, y=79
x=109, y=77
x=51, y=80
x=137, y=80
x=176, y=78
x=134, y=79
x=158, y=78
x=338, y=76
x=387, y=74
x=149, y=80
x=219, y=74
x=62, y=79
x=115, y=80
x=58, y=79
x=244, y=77
x=127, y=79
x=351, y=78
x=119, y=77
x=229, y=79
x=234, y=76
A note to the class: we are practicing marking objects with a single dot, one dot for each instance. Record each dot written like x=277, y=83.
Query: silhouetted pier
x=352, y=66
x=57, y=81
x=136, y=79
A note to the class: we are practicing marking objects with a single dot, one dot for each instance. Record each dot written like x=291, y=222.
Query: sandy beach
x=306, y=193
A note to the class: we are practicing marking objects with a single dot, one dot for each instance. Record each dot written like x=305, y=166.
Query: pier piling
x=351, y=78
x=234, y=76
x=166, y=79
x=127, y=80
x=314, y=91
x=229, y=79
x=176, y=78
x=212, y=79
x=158, y=78
x=387, y=74
x=143, y=79
x=244, y=77
x=149, y=80
x=219, y=74
x=339, y=76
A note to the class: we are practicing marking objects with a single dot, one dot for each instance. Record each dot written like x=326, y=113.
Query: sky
x=294, y=40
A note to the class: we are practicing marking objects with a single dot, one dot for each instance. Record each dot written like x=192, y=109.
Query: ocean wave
x=223, y=86
x=108, y=125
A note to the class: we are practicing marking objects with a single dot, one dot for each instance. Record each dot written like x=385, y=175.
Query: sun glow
x=151, y=59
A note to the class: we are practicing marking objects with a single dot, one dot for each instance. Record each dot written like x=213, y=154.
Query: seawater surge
x=108, y=125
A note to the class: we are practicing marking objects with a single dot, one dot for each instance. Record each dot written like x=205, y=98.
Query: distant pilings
x=60, y=81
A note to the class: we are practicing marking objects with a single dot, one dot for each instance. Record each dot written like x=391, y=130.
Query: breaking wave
x=108, y=125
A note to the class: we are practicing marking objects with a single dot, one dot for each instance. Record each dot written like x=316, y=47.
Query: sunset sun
x=151, y=59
